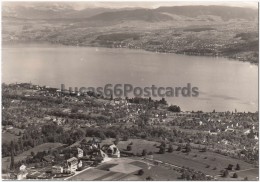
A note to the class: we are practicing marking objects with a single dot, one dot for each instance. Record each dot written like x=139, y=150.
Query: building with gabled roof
x=72, y=164
x=111, y=150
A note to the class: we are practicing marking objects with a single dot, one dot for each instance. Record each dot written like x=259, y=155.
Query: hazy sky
x=130, y=4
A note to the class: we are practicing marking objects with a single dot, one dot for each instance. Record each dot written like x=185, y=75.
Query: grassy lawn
x=252, y=174
x=156, y=172
x=201, y=161
x=138, y=145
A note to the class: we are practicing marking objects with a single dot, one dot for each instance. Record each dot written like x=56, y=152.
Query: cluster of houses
x=90, y=156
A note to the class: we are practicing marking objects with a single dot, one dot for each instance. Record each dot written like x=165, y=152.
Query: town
x=203, y=35
x=51, y=134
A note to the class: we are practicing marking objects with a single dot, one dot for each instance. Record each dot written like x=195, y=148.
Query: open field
x=208, y=162
x=156, y=172
x=139, y=145
x=252, y=174
x=90, y=174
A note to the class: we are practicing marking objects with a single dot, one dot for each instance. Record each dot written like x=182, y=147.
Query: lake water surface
x=223, y=84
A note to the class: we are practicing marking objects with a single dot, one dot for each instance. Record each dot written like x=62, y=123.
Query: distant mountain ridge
x=124, y=14
x=139, y=14
x=225, y=12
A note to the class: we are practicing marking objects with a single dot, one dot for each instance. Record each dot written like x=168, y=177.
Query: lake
x=223, y=84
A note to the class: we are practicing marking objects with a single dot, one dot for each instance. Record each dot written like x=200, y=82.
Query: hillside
x=130, y=15
x=224, y=12
x=193, y=30
x=109, y=14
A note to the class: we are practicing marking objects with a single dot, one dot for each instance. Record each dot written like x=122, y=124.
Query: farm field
x=208, y=162
x=90, y=174
x=156, y=172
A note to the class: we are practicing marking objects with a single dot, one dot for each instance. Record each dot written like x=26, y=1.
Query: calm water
x=223, y=84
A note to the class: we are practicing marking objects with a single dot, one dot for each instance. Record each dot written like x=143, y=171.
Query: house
x=57, y=169
x=247, y=131
x=22, y=175
x=80, y=153
x=99, y=155
x=91, y=144
x=72, y=163
x=256, y=137
x=229, y=130
x=120, y=101
x=9, y=127
x=80, y=164
x=111, y=150
x=22, y=168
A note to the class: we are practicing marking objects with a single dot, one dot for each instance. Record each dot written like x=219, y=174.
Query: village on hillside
x=49, y=134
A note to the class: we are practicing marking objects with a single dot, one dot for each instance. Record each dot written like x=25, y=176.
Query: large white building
x=72, y=164
x=57, y=169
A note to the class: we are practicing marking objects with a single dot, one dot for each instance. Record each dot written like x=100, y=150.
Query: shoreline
x=147, y=50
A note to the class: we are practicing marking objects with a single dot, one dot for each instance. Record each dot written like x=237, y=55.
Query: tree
x=150, y=153
x=12, y=156
x=188, y=148
x=174, y=108
x=32, y=154
x=179, y=148
x=162, y=150
x=149, y=178
x=125, y=138
x=140, y=172
x=225, y=174
x=230, y=167
x=204, y=149
x=144, y=153
x=163, y=144
x=235, y=175
x=74, y=110
x=129, y=148
x=188, y=177
x=102, y=136
x=117, y=140
x=170, y=150
x=238, y=167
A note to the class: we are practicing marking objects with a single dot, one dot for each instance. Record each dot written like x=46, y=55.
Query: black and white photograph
x=130, y=90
